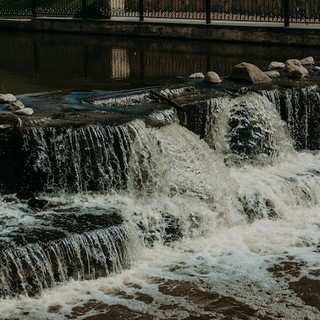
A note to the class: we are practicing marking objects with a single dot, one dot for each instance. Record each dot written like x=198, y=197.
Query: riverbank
x=249, y=32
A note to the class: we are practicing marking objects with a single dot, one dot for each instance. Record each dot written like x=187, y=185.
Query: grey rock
x=248, y=72
x=24, y=112
x=276, y=65
x=273, y=74
x=296, y=69
x=7, y=98
x=17, y=105
x=197, y=75
x=308, y=61
x=212, y=77
x=9, y=121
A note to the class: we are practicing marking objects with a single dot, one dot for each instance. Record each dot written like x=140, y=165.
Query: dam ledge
x=297, y=34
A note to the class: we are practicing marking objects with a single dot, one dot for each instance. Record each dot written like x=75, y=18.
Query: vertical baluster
x=286, y=13
x=84, y=9
x=141, y=10
x=208, y=11
x=34, y=8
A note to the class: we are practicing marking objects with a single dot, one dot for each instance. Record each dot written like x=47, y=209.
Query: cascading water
x=77, y=159
x=299, y=107
x=230, y=223
x=249, y=128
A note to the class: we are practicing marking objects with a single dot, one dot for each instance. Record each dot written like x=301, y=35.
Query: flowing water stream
x=225, y=227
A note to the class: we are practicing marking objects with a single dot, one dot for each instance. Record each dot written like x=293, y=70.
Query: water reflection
x=33, y=62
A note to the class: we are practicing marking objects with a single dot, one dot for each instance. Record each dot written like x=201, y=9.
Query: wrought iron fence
x=300, y=11
x=56, y=8
x=15, y=8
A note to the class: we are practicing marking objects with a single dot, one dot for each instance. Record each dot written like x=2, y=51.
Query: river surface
x=37, y=62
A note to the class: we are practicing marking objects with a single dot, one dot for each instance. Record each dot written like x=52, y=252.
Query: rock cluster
x=247, y=72
x=8, y=102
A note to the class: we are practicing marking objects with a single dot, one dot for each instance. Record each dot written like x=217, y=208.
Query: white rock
x=212, y=77
x=296, y=69
x=316, y=68
x=197, y=75
x=273, y=74
x=24, y=112
x=248, y=72
x=7, y=98
x=276, y=65
x=16, y=105
x=166, y=93
x=308, y=61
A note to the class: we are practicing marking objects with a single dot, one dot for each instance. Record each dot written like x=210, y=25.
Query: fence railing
x=284, y=11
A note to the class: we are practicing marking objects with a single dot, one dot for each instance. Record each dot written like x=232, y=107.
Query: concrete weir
x=87, y=146
x=248, y=32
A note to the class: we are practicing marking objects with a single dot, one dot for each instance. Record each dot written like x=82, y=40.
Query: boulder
x=7, y=98
x=249, y=73
x=308, y=61
x=37, y=204
x=276, y=65
x=212, y=77
x=9, y=121
x=295, y=69
x=197, y=75
x=273, y=74
x=24, y=112
x=17, y=105
x=316, y=68
x=296, y=74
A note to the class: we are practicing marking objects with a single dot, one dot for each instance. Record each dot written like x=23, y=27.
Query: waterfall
x=249, y=128
x=77, y=159
x=299, y=107
x=190, y=197
x=34, y=267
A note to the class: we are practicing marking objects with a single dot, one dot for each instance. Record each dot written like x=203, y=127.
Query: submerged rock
x=37, y=204
x=249, y=73
x=25, y=194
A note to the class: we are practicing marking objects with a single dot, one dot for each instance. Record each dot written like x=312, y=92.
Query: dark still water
x=36, y=62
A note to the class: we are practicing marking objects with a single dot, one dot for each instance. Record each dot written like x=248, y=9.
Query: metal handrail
x=284, y=11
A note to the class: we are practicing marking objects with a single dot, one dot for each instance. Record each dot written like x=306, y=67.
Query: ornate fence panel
x=58, y=7
x=174, y=9
x=247, y=10
x=124, y=8
x=305, y=11
x=15, y=8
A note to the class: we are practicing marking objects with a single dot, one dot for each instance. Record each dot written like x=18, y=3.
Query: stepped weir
x=98, y=144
